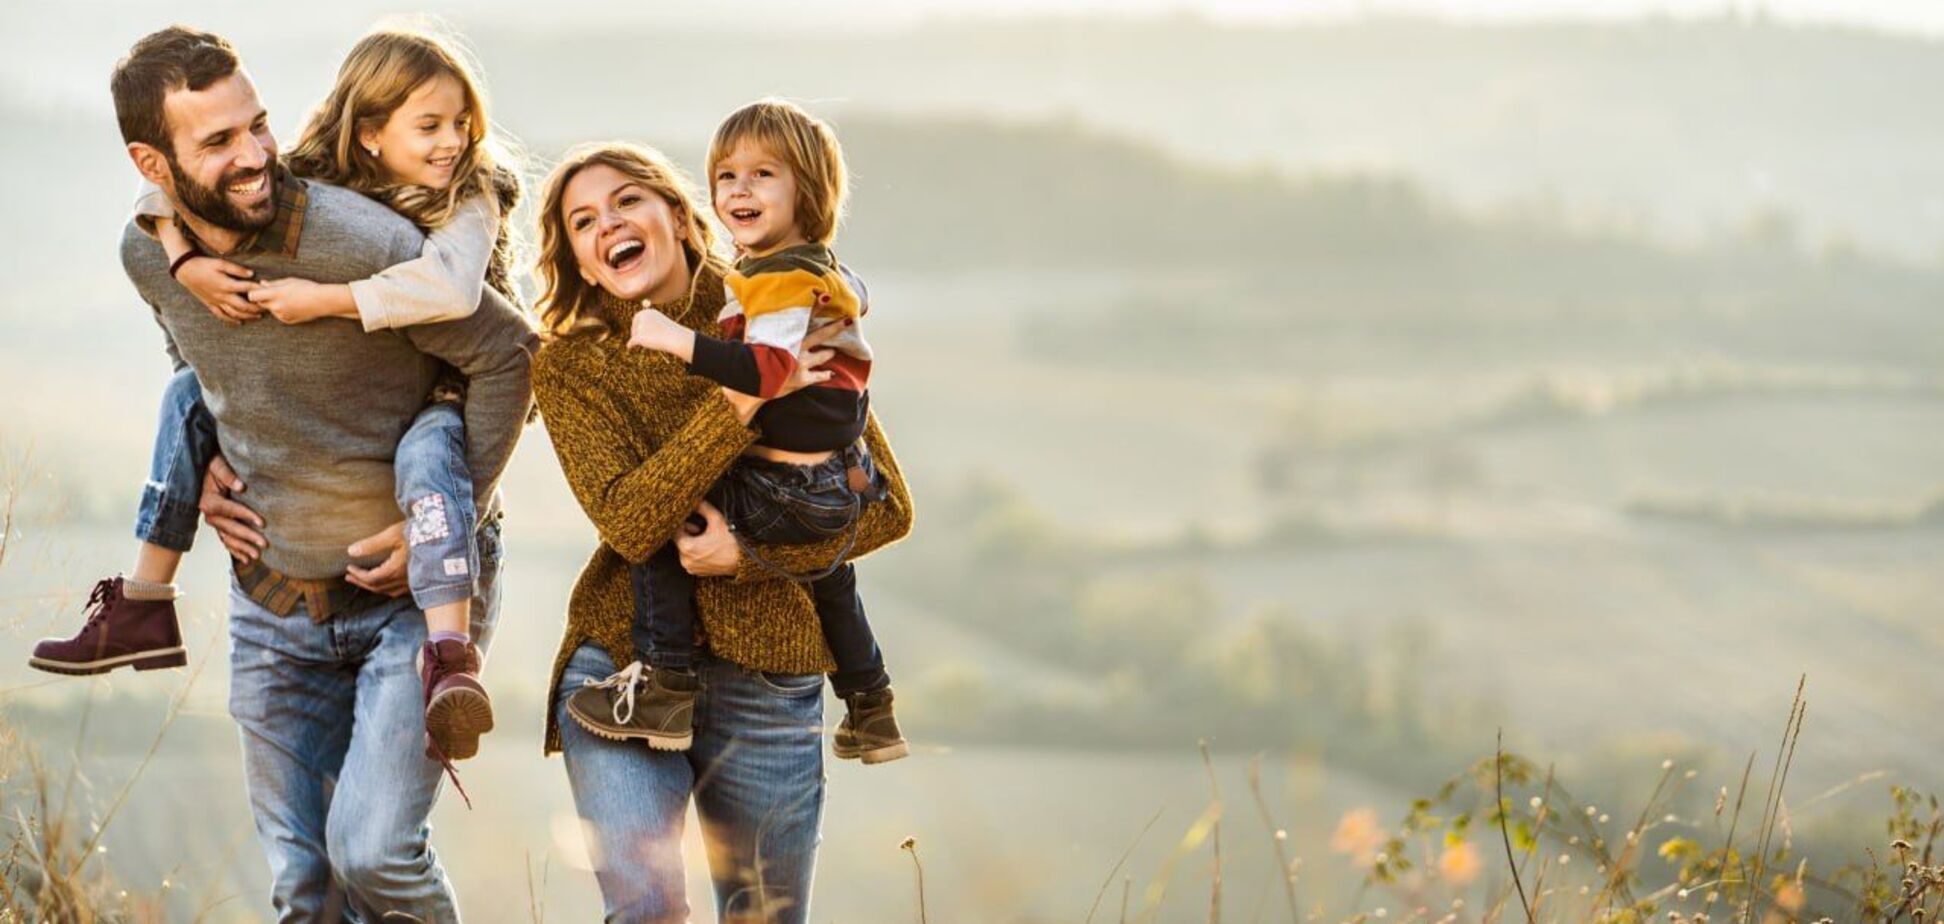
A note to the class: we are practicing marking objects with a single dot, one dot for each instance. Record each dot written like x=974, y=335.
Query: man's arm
x=493, y=348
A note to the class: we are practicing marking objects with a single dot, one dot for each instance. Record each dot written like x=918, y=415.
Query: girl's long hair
x=567, y=301
x=380, y=73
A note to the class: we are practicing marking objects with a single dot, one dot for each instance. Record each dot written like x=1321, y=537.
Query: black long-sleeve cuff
x=729, y=363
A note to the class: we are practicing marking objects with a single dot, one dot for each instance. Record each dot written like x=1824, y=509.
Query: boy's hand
x=656, y=331
x=292, y=301
x=222, y=286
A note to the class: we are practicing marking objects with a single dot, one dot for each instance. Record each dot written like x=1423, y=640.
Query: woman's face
x=625, y=236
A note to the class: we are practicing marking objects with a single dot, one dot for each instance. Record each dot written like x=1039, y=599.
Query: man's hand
x=389, y=578
x=712, y=552
x=235, y=524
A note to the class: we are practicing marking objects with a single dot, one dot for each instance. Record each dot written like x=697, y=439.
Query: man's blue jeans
x=333, y=725
x=433, y=485
x=755, y=773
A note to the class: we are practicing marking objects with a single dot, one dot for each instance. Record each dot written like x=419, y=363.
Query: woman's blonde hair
x=805, y=144
x=566, y=299
x=382, y=70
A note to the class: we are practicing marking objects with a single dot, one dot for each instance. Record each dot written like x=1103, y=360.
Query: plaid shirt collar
x=286, y=226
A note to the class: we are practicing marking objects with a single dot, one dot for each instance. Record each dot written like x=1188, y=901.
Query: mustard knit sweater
x=641, y=441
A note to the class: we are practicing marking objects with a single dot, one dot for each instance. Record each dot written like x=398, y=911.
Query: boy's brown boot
x=870, y=729
x=638, y=702
x=142, y=634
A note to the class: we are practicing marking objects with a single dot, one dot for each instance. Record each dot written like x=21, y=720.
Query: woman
x=640, y=441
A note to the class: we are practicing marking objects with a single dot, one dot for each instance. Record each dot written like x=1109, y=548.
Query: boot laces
x=437, y=665
x=98, y=600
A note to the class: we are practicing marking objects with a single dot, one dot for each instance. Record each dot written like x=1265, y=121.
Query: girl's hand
x=653, y=330
x=295, y=301
x=222, y=286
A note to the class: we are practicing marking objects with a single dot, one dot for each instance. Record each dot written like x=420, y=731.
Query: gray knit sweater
x=309, y=415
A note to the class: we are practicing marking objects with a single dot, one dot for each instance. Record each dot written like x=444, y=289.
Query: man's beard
x=211, y=204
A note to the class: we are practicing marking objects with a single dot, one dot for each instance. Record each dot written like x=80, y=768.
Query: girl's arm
x=444, y=283
x=636, y=502
x=223, y=287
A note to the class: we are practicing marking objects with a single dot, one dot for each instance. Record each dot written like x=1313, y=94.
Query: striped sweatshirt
x=772, y=302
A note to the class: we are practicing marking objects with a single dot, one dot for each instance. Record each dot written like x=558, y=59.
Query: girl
x=405, y=124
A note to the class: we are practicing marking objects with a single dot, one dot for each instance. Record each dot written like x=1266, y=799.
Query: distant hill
x=1678, y=126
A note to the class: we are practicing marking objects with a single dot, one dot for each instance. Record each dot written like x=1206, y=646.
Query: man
x=324, y=685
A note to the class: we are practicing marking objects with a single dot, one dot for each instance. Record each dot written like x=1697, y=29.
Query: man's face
x=224, y=159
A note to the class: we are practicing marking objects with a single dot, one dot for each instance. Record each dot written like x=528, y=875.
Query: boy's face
x=755, y=197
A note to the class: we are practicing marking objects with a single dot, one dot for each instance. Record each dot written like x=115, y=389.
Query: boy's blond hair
x=805, y=144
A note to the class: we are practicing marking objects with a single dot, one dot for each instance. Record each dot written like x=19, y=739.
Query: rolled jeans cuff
x=443, y=594
x=165, y=521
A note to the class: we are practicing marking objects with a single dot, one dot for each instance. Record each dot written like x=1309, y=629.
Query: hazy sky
x=53, y=56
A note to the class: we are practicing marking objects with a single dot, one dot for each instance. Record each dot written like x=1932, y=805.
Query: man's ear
x=151, y=163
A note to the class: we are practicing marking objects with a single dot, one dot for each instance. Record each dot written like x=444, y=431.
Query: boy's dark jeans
x=773, y=503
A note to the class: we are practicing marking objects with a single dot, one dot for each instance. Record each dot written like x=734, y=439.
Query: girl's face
x=420, y=144
x=626, y=238
x=755, y=197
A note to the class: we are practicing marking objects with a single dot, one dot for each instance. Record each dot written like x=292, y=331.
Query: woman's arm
x=715, y=553
x=443, y=283
x=636, y=503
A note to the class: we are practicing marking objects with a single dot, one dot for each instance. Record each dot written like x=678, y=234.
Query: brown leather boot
x=637, y=702
x=870, y=729
x=142, y=634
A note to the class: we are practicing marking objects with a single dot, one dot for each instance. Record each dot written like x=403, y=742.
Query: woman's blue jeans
x=755, y=773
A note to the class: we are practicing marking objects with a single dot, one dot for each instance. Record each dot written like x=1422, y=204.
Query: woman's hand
x=711, y=552
x=809, y=371
x=300, y=301
x=222, y=286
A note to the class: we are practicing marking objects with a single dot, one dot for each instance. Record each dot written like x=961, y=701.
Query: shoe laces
x=433, y=661
x=624, y=683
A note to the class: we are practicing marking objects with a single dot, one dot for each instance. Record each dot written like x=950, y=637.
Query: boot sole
x=455, y=719
x=658, y=742
x=154, y=660
x=877, y=755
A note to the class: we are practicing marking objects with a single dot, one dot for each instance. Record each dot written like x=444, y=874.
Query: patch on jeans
x=428, y=520
x=455, y=567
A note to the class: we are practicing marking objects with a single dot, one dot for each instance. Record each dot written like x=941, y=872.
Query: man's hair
x=162, y=62
x=805, y=144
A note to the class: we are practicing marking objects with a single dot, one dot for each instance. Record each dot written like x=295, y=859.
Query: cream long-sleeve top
x=443, y=284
